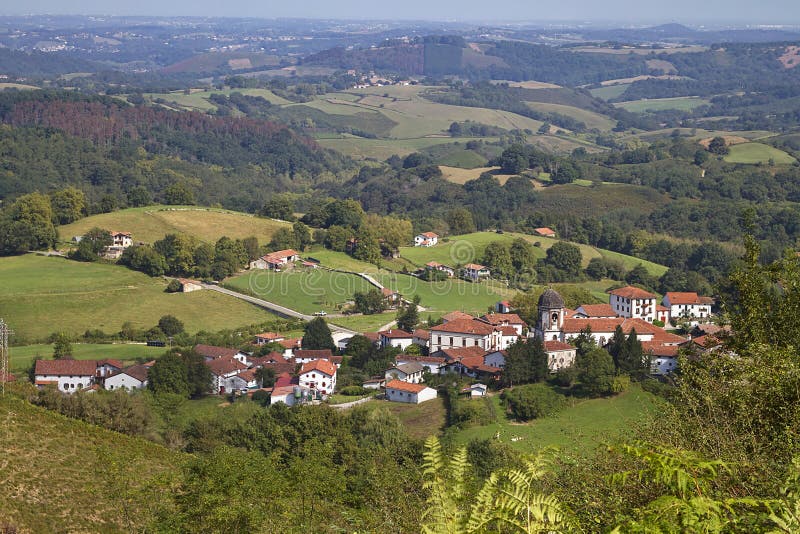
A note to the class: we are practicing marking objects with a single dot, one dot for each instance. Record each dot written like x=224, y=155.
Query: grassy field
x=464, y=159
x=58, y=475
x=366, y=323
x=449, y=295
x=199, y=100
x=20, y=86
x=461, y=176
x=419, y=420
x=757, y=153
x=590, y=118
x=608, y=92
x=152, y=223
x=686, y=103
x=20, y=358
x=630, y=262
x=41, y=295
x=342, y=261
x=307, y=291
x=578, y=430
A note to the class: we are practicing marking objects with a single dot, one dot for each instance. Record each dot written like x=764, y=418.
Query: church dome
x=551, y=299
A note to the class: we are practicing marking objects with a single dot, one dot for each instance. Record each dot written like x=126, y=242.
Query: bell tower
x=550, y=318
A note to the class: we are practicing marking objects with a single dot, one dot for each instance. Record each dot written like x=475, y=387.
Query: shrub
x=174, y=286
x=620, y=383
x=532, y=401
x=261, y=397
x=353, y=391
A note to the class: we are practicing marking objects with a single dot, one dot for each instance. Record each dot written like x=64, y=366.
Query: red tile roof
x=139, y=372
x=210, y=351
x=269, y=336
x=280, y=255
x=686, y=297
x=292, y=343
x=544, y=231
x=421, y=334
x=598, y=310
x=396, y=334
x=405, y=386
x=111, y=363
x=551, y=346
x=475, y=267
x=464, y=326
x=574, y=326
x=630, y=292
x=500, y=318
x=655, y=348
x=372, y=336
x=386, y=292
x=462, y=352
x=224, y=366
x=323, y=366
x=429, y=234
x=304, y=354
x=248, y=376
x=452, y=316
x=507, y=330
x=65, y=367
x=284, y=380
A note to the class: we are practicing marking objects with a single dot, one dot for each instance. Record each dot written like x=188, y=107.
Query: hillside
x=42, y=295
x=63, y=475
x=152, y=223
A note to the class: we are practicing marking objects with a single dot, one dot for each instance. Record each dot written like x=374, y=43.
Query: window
x=66, y=386
x=451, y=341
x=463, y=342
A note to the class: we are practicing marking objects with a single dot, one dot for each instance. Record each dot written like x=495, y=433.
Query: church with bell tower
x=551, y=315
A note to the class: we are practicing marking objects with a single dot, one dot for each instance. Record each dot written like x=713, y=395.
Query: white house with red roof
x=243, y=381
x=66, y=375
x=544, y=232
x=133, y=377
x=221, y=370
x=633, y=302
x=396, y=338
x=188, y=285
x=318, y=375
x=426, y=239
x=121, y=239
x=421, y=337
x=512, y=320
x=465, y=333
x=475, y=271
x=268, y=337
x=399, y=391
x=688, y=305
x=560, y=355
x=276, y=260
x=436, y=266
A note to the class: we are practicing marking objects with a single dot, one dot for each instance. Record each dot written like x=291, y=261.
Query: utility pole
x=5, y=332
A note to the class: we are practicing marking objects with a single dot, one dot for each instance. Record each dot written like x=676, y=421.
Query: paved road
x=275, y=308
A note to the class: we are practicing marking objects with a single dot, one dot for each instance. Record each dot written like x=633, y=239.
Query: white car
x=321, y=313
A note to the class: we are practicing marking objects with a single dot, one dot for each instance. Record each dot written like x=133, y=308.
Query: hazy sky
x=621, y=11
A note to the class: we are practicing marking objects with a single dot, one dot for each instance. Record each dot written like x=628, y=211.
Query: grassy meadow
x=40, y=295
x=307, y=291
x=755, y=153
x=152, y=223
x=590, y=118
x=684, y=103
x=419, y=420
x=608, y=92
x=20, y=358
x=577, y=431
x=59, y=475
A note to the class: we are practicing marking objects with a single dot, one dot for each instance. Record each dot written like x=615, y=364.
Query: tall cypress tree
x=617, y=347
x=317, y=335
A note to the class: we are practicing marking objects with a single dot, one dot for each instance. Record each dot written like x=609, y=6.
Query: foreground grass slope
x=578, y=430
x=63, y=475
x=152, y=223
x=41, y=295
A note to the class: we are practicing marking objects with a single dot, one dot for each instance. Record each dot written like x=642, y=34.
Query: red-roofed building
x=396, y=338
x=687, y=305
x=66, y=375
x=187, y=285
x=452, y=316
x=221, y=370
x=421, y=337
x=544, y=232
x=436, y=266
x=560, y=355
x=304, y=356
x=276, y=260
x=390, y=296
x=475, y=272
x=506, y=319
x=268, y=337
x=426, y=239
x=594, y=311
x=133, y=377
x=210, y=352
x=503, y=306
x=319, y=375
x=633, y=302
x=399, y=391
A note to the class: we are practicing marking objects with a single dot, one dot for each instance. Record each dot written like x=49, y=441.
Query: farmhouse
x=475, y=390
x=221, y=370
x=187, y=285
x=399, y=391
x=544, y=232
x=426, y=239
x=66, y=375
x=464, y=333
x=663, y=358
x=121, y=239
x=390, y=297
x=559, y=355
x=243, y=381
x=268, y=337
x=276, y=260
x=421, y=337
x=436, y=266
x=433, y=364
x=133, y=377
x=506, y=319
x=475, y=272
x=503, y=306
x=687, y=305
x=633, y=302
x=407, y=372
x=469, y=361
x=396, y=338
x=319, y=375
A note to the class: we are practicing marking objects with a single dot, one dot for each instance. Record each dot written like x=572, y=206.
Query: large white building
x=319, y=375
x=426, y=239
x=687, y=305
x=133, y=377
x=633, y=302
x=66, y=375
x=465, y=333
x=399, y=391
